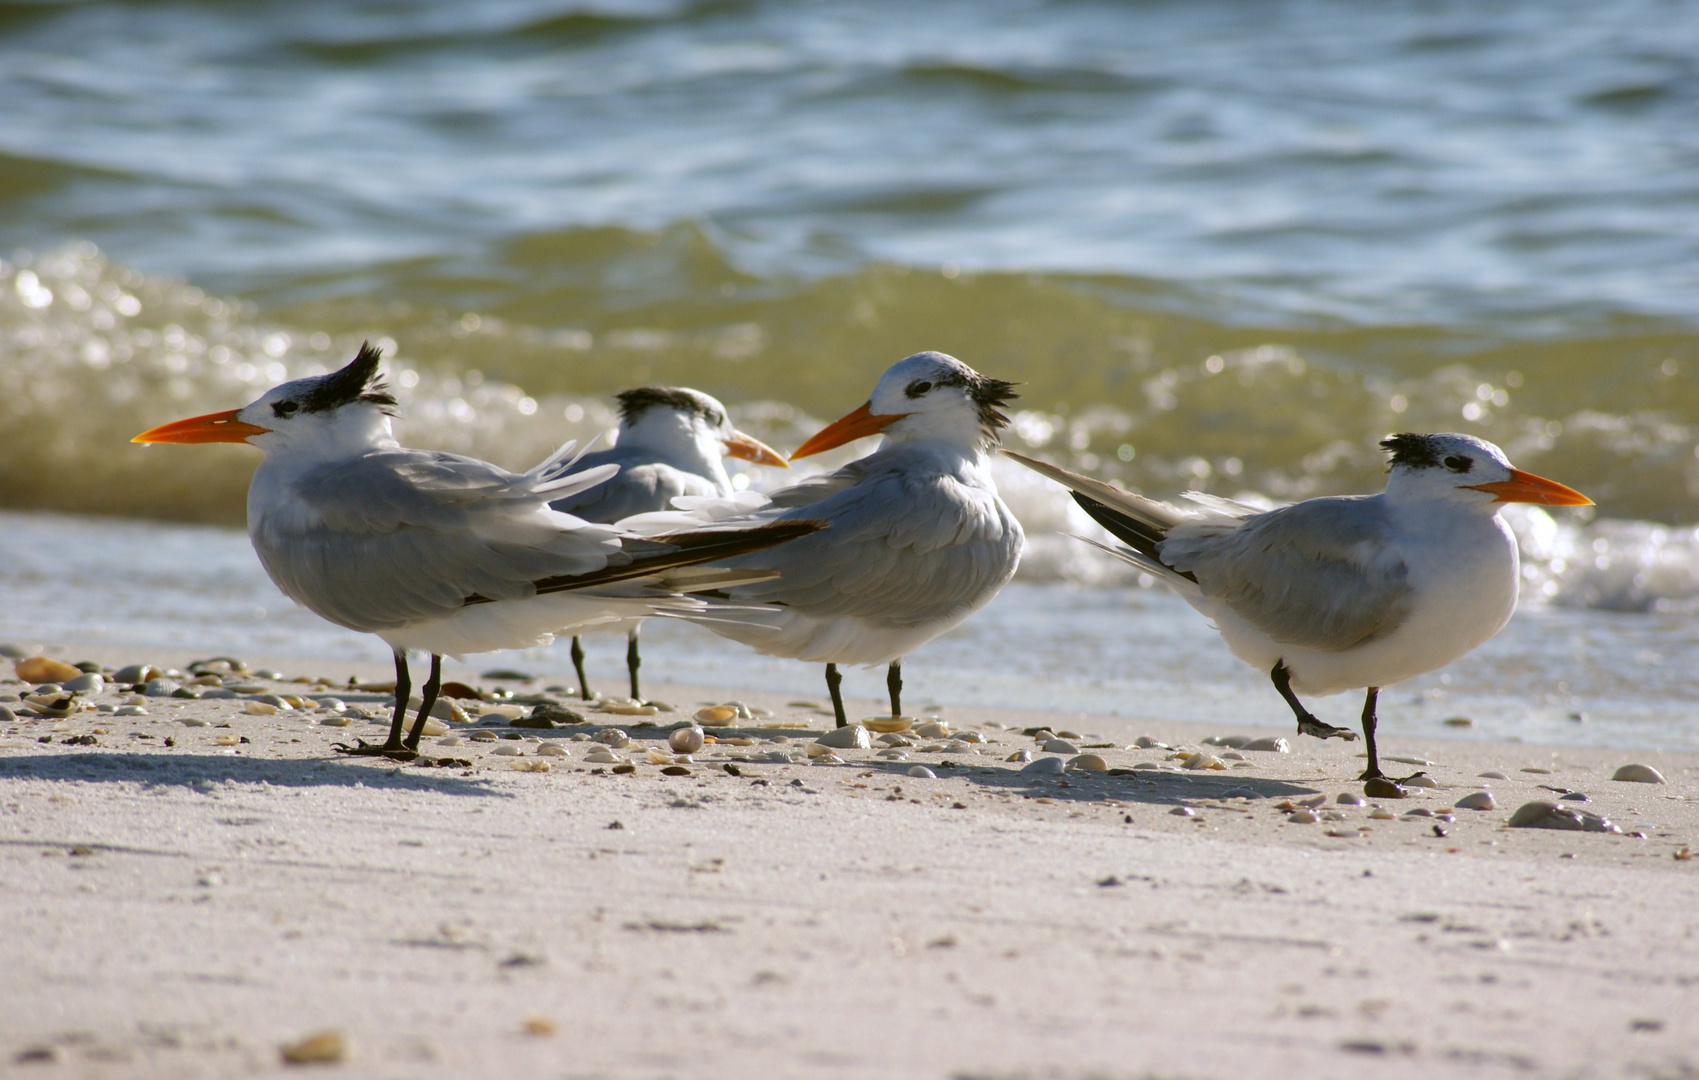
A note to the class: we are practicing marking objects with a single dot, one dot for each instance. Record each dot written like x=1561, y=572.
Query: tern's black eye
x=918, y=387
x=1457, y=463
x=285, y=409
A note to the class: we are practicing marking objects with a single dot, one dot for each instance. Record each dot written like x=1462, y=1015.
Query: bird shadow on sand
x=1158, y=787
x=213, y=772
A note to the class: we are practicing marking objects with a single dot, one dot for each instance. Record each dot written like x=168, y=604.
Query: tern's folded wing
x=638, y=489
x=899, y=550
x=1321, y=573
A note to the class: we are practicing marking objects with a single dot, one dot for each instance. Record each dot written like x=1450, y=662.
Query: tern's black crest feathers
x=1415, y=451
x=355, y=382
x=636, y=402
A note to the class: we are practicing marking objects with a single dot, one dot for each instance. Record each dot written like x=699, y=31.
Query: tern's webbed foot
x=1311, y=726
x=362, y=748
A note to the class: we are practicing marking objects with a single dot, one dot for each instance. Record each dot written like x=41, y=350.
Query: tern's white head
x=925, y=396
x=688, y=428
x=1466, y=470
x=322, y=416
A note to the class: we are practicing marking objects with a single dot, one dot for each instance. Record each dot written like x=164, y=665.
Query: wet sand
x=187, y=910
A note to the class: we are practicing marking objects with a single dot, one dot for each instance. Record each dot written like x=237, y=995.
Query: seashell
x=1346, y=798
x=1302, y=817
x=1145, y=742
x=1381, y=815
x=613, y=737
x=1545, y=815
x=1020, y=755
x=892, y=739
x=921, y=772
x=632, y=710
x=828, y=758
x=507, y=749
x=1045, y=766
x=658, y=757
x=1638, y=774
x=1479, y=800
x=716, y=714
x=1420, y=811
x=1493, y=774
x=42, y=669
x=335, y=720
x=159, y=688
x=932, y=748
x=1232, y=755
x=1183, y=811
x=1205, y=761
x=933, y=729
x=1535, y=769
x=1418, y=762
x=817, y=749
x=892, y=755
x=1059, y=746
x=738, y=741
x=773, y=757
x=850, y=737
x=130, y=710
x=1268, y=746
x=552, y=750
x=968, y=737
x=320, y=1048
x=89, y=682
x=227, y=740
x=887, y=724
x=687, y=740
x=1089, y=763
x=191, y=721
x=530, y=766
x=483, y=736
x=1233, y=741
x=1421, y=780
x=451, y=740
x=1331, y=815
x=132, y=674
x=601, y=756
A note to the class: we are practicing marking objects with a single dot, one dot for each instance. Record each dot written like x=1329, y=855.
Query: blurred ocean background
x=1225, y=246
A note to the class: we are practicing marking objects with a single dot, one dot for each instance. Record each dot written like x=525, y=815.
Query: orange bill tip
x=213, y=427
x=749, y=448
x=858, y=424
x=1525, y=487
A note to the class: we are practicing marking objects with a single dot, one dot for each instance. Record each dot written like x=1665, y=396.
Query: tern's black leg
x=578, y=666
x=430, y=699
x=392, y=746
x=1369, y=720
x=832, y=681
x=894, y=683
x=1307, y=723
x=632, y=663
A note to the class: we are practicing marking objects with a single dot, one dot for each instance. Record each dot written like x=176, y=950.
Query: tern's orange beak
x=213, y=427
x=1527, y=488
x=856, y=425
x=752, y=449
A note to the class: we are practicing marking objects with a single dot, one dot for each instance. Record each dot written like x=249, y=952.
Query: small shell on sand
x=687, y=740
x=1480, y=800
x=1269, y=746
x=552, y=750
x=1545, y=815
x=716, y=714
x=657, y=757
x=42, y=669
x=1205, y=761
x=258, y=708
x=933, y=729
x=850, y=737
x=1638, y=774
x=613, y=737
x=1421, y=780
x=508, y=749
x=921, y=772
x=1346, y=798
x=1045, y=766
x=1303, y=817
x=887, y=724
x=1022, y=756
x=1088, y=763
x=319, y=1048
x=530, y=766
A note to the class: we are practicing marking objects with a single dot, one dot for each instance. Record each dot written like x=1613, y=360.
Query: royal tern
x=671, y=441
x=917, y=538
x=1348, y=592
x=438, y=552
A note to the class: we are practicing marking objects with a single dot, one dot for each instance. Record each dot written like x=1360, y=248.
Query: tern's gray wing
x=403, y=535
x=641, y=487
x=1320, y=573
x=900, y=549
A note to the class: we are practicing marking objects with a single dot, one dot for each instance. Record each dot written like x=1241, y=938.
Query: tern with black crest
x=916, y=538
x=443, y=553
x=672, y=441
x=1348, y=592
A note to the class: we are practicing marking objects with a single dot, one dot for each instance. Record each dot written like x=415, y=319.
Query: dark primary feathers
x=352, y=383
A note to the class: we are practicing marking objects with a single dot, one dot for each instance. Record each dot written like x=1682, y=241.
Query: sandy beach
x=189, y=891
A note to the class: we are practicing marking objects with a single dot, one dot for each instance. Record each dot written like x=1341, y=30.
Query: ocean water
x=1225, y=246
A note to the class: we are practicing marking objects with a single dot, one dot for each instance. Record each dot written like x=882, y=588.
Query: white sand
x=825, y=920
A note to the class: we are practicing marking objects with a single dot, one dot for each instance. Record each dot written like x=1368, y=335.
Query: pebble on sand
x=42, y=669
x=319, y=1048
x=1546, y=815
x=1638, y=774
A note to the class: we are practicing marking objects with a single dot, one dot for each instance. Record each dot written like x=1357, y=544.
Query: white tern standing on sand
x=439, y=552
x=917, y=539
x=1348, y=592
x=672, y=441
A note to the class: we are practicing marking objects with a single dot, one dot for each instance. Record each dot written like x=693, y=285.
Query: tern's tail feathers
x=1136, y=521
x=657, y=557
